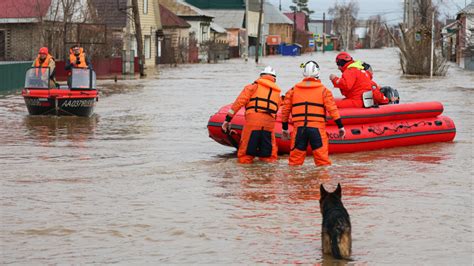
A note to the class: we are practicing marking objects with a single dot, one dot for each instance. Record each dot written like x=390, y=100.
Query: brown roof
x=23, y=8
x=112, y=12
x=170, y=20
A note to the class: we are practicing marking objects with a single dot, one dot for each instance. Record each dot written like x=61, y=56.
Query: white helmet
x=268, y=71
x=311, y=69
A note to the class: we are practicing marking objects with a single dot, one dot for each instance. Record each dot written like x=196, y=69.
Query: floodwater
x=141, y=182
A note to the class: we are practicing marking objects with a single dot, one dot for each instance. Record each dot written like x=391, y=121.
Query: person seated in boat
x=379, y=95
x=353, y=82
x=261, y=100
x=307, y=102
x=77, y=59
x=46, y=61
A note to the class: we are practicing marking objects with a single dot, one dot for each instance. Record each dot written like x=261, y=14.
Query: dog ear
x=322, y=191
x=338, y=190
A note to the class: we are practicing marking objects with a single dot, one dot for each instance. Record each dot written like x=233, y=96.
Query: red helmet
x=43, y=50
x=343, y=56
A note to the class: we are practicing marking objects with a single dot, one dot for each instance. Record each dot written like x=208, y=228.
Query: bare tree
x=415, y=42
x=376, y=32
x=344, y=19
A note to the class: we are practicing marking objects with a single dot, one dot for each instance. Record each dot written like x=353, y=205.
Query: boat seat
x=368, y=99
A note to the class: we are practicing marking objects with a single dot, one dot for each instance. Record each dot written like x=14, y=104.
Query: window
x=3, y=45
x=145, y=6
x=205, y=32
x=147, y=45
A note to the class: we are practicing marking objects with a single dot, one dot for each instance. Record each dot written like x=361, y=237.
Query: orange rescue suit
x=45, y=62
x=44, y=65
x=261, y=100
x=308, y=101
x=81, y=57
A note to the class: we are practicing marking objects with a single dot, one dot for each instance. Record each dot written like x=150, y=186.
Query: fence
x=12, y=74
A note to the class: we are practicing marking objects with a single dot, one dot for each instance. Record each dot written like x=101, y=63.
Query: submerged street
x=141, y=182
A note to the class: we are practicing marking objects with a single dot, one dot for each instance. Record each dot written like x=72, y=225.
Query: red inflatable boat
x=387, y=126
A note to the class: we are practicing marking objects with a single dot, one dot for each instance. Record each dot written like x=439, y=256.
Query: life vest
x=82, y=58
x=265, y=98
x=308, y=102
x=42, y=66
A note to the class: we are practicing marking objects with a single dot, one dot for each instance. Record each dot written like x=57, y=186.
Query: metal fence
x=12, y=74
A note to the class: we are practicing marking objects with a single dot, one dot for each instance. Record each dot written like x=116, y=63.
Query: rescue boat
x=42, y=97
x=386, y=126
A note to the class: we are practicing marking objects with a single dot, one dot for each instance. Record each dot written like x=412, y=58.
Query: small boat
x=386, y=126
x=43, y=98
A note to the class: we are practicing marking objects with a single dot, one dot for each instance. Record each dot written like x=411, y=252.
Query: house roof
x=20, y=10
x=218, y=4
x=229, y=19
x=112, y=12
x=170, y=20
x=274, y=16
x=215, y=27
x=469, y=9
x=182, y=8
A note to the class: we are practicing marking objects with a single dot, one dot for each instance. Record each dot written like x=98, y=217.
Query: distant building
x=230, y=14
x=277, y=28
x=25, y=27
x=116, y=14
x=465, y=37
x=176, y=38
x=301, y=34
x=317, y=27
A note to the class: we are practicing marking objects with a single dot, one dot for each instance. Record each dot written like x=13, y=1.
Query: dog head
x=336, y=195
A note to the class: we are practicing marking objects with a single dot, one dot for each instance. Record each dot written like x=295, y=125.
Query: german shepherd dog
x=336, y=227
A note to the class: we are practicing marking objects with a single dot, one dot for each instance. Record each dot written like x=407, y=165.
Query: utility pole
x=324, y=30
x=247, y=31
x=280, y=5
x=294, y=26
x=138, y=34
x=432, y=44
x=259, y=31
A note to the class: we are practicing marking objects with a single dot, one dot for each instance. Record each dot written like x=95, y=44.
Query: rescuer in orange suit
x=44, y=60
x=353, y=83
x=307, y=102
x=77, y=59
x=261, y=100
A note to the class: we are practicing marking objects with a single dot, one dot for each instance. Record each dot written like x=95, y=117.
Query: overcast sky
x=392, y=10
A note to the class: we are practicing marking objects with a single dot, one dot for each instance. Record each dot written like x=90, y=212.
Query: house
x=199, y=20
x=176, y=38
x=465, y=37
x=301, y=34
x=203, y=29
x=449, y=33
x=321, y=30
x=117, y=15
x=277, y=28
x=27, y=25
x=230, y=14
x=360, y=34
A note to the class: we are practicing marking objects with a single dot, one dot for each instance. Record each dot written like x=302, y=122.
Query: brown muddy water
x=141, y=182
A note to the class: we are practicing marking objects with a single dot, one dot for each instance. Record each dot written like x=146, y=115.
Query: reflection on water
x=140, y=182
x=47, y=129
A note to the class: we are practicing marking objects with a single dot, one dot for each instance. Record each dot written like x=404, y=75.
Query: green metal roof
x=217, y=4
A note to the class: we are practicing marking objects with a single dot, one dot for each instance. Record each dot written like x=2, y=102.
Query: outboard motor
x=390, y=93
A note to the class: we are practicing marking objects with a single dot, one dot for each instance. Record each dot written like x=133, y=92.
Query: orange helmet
x=43, y=50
